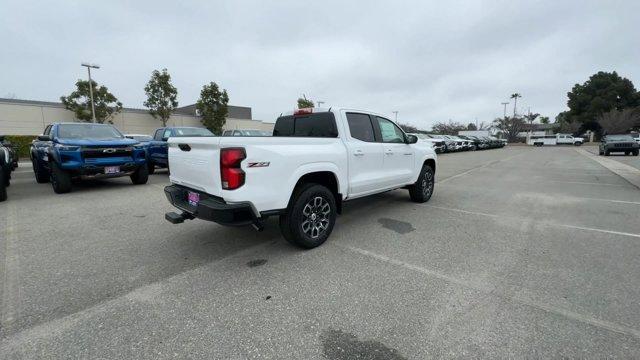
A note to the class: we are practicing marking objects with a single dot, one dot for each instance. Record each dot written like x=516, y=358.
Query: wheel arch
x=322, y=176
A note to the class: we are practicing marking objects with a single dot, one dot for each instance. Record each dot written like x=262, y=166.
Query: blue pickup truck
x=67, y=151
x=157, y=149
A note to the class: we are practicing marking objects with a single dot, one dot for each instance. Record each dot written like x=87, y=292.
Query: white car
x=438, y=145
x=315, y=160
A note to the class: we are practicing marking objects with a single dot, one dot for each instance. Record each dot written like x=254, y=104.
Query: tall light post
x=319, y=103
x=505, y=108
x=89, y=67
x=396, y=114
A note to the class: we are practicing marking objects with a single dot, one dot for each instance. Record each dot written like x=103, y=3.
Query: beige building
x=27, y=117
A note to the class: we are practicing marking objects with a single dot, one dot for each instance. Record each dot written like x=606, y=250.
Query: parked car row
x=7, y=165
x=452, y=143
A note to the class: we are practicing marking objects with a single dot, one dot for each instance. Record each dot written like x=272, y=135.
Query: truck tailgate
x=195, y=163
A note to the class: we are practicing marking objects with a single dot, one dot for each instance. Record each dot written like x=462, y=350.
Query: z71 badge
x=259, y=164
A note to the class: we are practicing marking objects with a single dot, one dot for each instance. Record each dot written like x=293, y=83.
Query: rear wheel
x=422, y=189
x=60, y=179
x=577, y=143
x=3, y=185
x=140, y=176
x=635, y=152
x=600, y=152
x=310, y=217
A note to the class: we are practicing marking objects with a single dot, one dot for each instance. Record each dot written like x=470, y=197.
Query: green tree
x=448, y=128
x=544, y=119
x=510, y=126
x=79, y=101
x=602, y=93
x=472, y=126
x=213, y=107
x=530, y=118
x=515, y=97
x=162, y=96
x=303, y=102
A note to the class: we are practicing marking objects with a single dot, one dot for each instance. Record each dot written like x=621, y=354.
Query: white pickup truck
x=315, y=160
x=557, y=139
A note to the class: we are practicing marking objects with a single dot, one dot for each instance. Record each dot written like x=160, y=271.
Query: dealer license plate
x=112, y=169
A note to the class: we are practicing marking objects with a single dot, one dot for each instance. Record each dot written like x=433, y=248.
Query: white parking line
x=11, y=295
x=612, y=232
x=491, y=290
x=477, y=167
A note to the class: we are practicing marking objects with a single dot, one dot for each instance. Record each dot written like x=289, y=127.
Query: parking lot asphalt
x=633, y=161
x=521, y=252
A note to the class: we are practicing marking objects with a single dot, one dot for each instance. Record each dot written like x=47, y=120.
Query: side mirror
x=412, y=139
x=165, y=138
x=44, y=137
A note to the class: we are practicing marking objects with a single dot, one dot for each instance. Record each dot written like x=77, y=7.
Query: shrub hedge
x=21, y=143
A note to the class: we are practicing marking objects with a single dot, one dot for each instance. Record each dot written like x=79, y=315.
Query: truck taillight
x=231, y=174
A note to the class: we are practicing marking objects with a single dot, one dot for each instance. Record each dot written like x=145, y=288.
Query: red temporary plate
x=193, y=198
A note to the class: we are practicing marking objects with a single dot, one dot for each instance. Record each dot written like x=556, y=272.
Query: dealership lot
x=521, y=252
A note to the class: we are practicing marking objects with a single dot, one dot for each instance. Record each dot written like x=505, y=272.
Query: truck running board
x=176, y=218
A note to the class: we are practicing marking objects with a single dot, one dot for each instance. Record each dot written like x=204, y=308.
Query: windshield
x=619, y=138
x=191, y=132
x=88, y=131
x=251, y=133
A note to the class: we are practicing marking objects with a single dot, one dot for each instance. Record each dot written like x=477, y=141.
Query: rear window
x=307, y=125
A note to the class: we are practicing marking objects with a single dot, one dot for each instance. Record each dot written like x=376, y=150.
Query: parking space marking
x=612, y=232
x=584, y=183
x=478, y=167
x=10, y=266
x=491, y=290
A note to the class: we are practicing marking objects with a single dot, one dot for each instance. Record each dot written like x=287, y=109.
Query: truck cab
x=158, y=149
x=77, y=151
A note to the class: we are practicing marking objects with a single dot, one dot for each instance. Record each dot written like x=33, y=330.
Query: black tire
x=577, y=143
x=140, y=176
x=422, y=190
x=151, y=168
x=3, y=186
x=40, y=172
x=313, y=205
x=607, y=153
x=60, y=179
x=626, y=153
x=636, y=152
x=600, y=152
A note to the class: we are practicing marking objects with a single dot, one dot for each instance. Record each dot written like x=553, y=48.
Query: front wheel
x=310, y=217
x=140, y=176
x=635, y=152
x=40, y=173
x=577, y=143
x=422, y=189
x=607, y=153
x=60, y=179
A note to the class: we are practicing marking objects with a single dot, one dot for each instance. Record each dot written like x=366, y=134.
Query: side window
x=360, y=127
x=237, y=133
x=158, y=135
x=167, y=133
x=389, y=131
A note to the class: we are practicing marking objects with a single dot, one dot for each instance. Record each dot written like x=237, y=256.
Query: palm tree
x=515, y=101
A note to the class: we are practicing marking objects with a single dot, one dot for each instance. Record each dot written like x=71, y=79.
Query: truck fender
x=309, y=168
x=53, y=156
x=427, y=157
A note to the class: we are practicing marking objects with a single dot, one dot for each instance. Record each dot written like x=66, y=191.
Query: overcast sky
x=429, y=60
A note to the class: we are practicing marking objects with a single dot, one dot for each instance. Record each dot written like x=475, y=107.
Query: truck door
x=398, y=155
x=158, y=149
x=365, y=156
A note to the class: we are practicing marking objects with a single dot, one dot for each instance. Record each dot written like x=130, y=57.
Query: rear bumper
x=210, y=208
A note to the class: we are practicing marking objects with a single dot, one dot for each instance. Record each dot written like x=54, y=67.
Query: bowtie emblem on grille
x=109, y=151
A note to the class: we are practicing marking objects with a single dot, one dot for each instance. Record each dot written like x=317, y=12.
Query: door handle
x=389, y=152
x=358, y=152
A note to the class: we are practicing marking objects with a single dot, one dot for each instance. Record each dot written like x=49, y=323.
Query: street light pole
x=319, y=103
x=396, y=114
x=505, y=108
x=93, y=108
